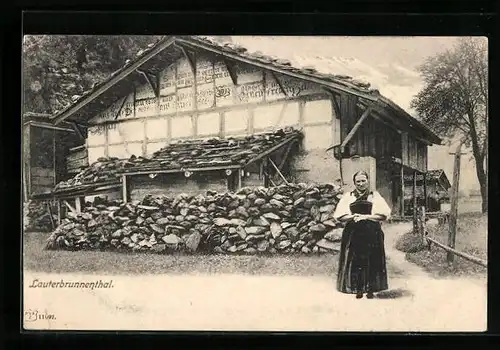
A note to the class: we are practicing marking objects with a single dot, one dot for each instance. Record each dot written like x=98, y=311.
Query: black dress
x=362, y=264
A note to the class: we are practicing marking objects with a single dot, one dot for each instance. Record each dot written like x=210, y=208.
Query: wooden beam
x=285, y=155
x=48, y=126
x=77, y=148
x=415, y=209
x=78, y=131
x=271, y=150
x=151, y=83
x=452, y=251
x=54, y=165
x=270, y=67
x=124, y=189
x=279, y=83
x=230, y=69
x=170, y=171
x=265, y=172
x=239, y=179
x=78, y=204
x=426, y=202
x=278, y=171
x=120, y=109
x=73, y=210
x=402, y=204
x=49, y=209
x=26, y=156
x=355, y=128
x=335, y=103
x=190, y=59
x=115, y=79
x=59, y=212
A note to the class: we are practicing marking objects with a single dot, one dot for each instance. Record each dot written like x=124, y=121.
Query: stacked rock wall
x=285, y=219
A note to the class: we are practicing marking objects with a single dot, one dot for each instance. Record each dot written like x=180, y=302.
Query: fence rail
x=468, y=257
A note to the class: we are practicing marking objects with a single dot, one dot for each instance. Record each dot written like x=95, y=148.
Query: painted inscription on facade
x=204, y=71
x=252, y=92
x=185, y=99
x=168, y=104
x=146, y=108
x=205, y=96
x=279, y=86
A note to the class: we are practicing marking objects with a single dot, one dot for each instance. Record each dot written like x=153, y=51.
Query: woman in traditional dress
x=362, y=265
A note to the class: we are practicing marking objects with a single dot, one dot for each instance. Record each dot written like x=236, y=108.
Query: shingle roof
x=198, y=155
x=239, y=52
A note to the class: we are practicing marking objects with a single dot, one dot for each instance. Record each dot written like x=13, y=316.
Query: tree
x=454, y=100
x=59, y=68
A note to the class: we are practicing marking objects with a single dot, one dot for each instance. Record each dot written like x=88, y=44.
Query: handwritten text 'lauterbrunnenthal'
x=99, y=284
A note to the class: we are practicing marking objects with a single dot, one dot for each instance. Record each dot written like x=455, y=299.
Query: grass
x=37, y=259
x=471, y=238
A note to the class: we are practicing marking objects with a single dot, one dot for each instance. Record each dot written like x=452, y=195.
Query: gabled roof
x=439, y=175
x=153, y=59
x=188, y=155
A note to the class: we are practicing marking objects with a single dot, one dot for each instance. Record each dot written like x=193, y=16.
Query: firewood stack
x=294, y=218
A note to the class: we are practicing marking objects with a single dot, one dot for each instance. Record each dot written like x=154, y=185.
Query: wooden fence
x=419, y=223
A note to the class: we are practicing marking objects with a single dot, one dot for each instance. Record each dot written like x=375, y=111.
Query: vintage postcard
x=254, y=183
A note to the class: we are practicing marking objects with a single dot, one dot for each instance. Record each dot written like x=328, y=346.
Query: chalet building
x=433, y=194
x=231, y=118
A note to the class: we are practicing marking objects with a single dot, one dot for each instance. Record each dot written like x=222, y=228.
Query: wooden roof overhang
x=78, y=191
x=106, y=186
x=119, y=83
x=173, y=47
x=229, y=166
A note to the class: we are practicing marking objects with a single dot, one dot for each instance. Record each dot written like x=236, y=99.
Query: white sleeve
x=380, y=205
x=342, y=207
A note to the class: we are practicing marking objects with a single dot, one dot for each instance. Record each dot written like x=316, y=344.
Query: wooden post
x=426, y=203
x=59, y=212
x=49, y=208
x=422, y=227
x=402, y=191
x=124, y=189
x=25, y=184
x=454, y=203
x=266, y=172
x=414, y=199
x=78, y=205
x=239, y=179
x=27, y=159
x=54, y=167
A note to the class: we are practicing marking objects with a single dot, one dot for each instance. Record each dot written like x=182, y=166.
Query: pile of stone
x=36, y=216
x=286, y=219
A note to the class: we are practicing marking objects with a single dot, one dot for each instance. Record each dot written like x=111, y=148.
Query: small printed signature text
x=32, y=315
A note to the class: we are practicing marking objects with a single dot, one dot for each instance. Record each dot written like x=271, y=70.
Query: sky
x=389, y=64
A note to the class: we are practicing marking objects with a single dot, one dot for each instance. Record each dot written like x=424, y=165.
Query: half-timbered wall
x=210, y=105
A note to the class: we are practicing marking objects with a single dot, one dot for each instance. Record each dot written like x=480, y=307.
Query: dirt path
x=416, y=302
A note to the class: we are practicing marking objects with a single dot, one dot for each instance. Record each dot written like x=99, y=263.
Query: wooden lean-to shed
x=184, y=91
x=46, y=148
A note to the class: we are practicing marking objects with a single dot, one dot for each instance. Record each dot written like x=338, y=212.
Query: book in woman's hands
x=361, y=207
